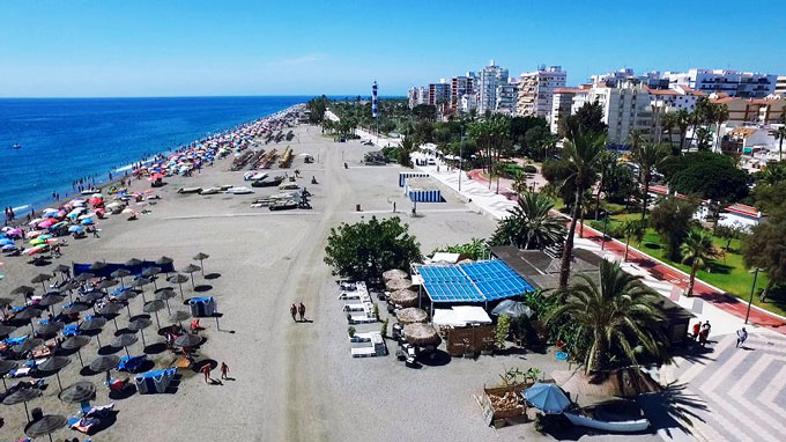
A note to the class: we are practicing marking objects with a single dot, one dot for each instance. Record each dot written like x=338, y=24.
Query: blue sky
x=195, y=47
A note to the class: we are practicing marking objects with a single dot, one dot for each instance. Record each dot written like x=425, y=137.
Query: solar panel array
x=495, y=279
x=474, y=282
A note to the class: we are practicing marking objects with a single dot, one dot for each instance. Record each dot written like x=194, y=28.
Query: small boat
x=268, y=182
x=240, y=190
x=254, y=176
x=16, y=146
x=210, y=191
x=283, y=204
x=189, y=190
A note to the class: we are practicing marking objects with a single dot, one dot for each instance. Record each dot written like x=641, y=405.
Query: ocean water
x=66, y=139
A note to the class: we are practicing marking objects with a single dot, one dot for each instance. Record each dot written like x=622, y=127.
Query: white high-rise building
x=535, y=90
x=731, y=83
x=489, y=78
x=562, y=102
x=506, y=98
x=625, y=108
x=780, y=86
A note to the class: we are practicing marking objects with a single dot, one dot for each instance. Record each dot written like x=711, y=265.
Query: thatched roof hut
x=411, y=315
x=395, y=274
x=404, y=298
x=422, y=335
x=398, y=284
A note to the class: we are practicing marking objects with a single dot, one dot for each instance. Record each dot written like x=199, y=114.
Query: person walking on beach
x=224, y=370
x=394, y=207
x=301, y=309
x=704, y=333
x=206, y=371
x=293, y=312
x=742, y=336
x=696, y=330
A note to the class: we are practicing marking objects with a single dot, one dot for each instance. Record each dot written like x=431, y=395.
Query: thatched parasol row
x=395, y=274
x=398, y=284
x=404, y=298
x=411, y=315
x=422, y=335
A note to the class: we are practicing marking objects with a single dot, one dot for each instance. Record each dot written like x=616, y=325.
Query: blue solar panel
x=474, y=282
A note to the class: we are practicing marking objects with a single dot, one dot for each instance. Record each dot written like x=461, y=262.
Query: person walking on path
x=704, y=333
x=293, y=312
x=224, y=370
x=206, y=371
x=696, y=330
x=742, y=336
x=394, y=207
x=301, y=309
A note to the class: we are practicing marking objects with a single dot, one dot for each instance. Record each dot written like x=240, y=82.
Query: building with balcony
x=535, y=91
x=459, y=87
x=731, y=83
x=489, y=78
x=780, y=86
x=562, y=104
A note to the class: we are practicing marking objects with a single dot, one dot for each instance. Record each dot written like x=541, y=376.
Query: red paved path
x=728, y=303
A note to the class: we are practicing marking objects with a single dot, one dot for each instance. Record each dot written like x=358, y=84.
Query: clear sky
x=226, y=47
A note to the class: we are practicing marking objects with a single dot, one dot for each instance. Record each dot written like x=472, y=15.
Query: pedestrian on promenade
x=293, y=312
x=394, y=207
x=696, y=330
x=206, y=371
x=224, y=370
x=301, y=309
x=742, y=336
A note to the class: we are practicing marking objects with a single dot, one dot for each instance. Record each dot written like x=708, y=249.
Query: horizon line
x=101, y=97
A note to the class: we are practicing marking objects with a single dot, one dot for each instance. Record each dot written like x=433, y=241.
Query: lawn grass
x=727, y=272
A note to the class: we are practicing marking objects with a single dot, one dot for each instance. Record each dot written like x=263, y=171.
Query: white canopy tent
x=460, y=316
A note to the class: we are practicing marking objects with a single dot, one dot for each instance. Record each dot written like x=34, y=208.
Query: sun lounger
x=353, y=307
x=370, y=344
x=131, y=364
x=82, y=425
x=361, y=318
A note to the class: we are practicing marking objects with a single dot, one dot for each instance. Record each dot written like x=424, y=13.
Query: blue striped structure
x=425, y=196
x=475, y=282
x=404, y=176
x=374, y=105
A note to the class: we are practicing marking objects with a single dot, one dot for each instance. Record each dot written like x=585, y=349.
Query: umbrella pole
x=98, y=338
x=155, y=287
x=27, y=412
x=192, y=281
x=79, y=353
x=167, y=307
x=144, y=300
x=127, y=353
x=218, y=326
x=144, y=344
x=32, y=328
x=50, y=437
x=57, y=374
x=43, y=286
x=4, y=384
x=182, y=298
x=157, y=323
x=128, y=307
x=202, y=267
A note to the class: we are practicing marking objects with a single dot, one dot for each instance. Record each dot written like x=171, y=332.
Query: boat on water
x=16, y=146
x=268, y=182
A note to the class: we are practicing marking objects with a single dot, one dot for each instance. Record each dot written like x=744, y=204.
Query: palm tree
x=720, y=113
x=697, y=249
x=682, y=123
x=780, y=134
x=668, y=123
x=648, y=157
x=636, y=138
x=583, y=154
x=490, y=135
x=619, y=313
x=634, y=231
x=530, y=224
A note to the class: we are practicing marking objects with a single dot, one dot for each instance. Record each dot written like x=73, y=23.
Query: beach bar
x=404, y=176
x=422, y=190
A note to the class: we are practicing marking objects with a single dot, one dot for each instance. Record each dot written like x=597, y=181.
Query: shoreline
x=125, y=171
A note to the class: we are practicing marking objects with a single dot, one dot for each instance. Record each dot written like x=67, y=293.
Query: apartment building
x=731, y=83
x=459, y=87
x=506, y=98
x=625, y=108
x=489, y=78
x=562, y=104
x=751, y=111
x=780, y=86
x=536, y=89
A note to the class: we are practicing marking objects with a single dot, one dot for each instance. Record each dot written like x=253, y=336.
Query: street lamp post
x=753, y=289
x=461, y=157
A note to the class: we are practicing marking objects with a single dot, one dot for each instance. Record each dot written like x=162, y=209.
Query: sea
x=47, y=144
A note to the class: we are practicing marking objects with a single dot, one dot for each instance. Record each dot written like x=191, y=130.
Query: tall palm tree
x=682, y=123
x=697, y=249
x=490, y=135
x=668, y=122
x=648, y=157
x=720, y=114
x=780, y=134
x=636, y=138
x=583, y=154
x=619, y=312
x=634, y=231
x=530, y=224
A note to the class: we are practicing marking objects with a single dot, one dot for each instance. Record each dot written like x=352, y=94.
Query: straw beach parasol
x=395, y=274
x=47, y=425
x=201, y=257
x=404, y=298
x=76, y=343
x=78, y=392
x=411, y=315
x=53, y=365
x=398, y=284
x=5, y=367
x=422, y=335
x=23, y=395
x=125, y=340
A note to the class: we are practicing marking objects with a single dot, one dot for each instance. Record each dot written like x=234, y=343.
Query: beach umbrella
x=104, y=363
x=76, y=343
x=51, y=299
x=5, y=367
x=6, y=330
x=62, y=269
x=411, y=315
x=548, y=398
x=54, y=365
x=164, y=261
x=41, y=278
x=187, y=340
x=421, y=335
x=398, y=284
x=76, y=229
x=133, y=262
x=94, y=324
x=97, y=266
x=120, y=274
x=90, y=297
x=78, y=392
x=74, y=308
x=85, y=276
x=395, y=274
x=513, y=309
x=125, y=340
x=165, y=294
x=151, y=272
x=179, y=316
x=140, y=282
x=404, y=298
x=110, y=309
x=46, y=425
x=126, y=297
x=51, y=328
x=107, y=283
x=27, y=346
x=139, y=325
x=22, y=396
x=87, y=222
x=23, y=290
x=153, y=307
x=29, y=313
x=179, y=279
x=201, y=257
x=190, y=269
